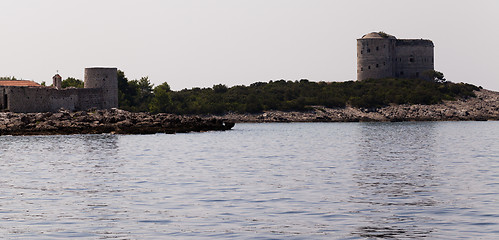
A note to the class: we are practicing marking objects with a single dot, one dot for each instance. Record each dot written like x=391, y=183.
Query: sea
x=407, y=180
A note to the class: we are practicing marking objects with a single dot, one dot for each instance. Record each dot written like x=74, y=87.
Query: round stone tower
x=105, y=79
x=375, y=56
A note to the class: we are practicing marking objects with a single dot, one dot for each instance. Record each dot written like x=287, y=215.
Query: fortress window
x=361, y=52
x=377, y=48
x=368, y=50
x=411, y=59
x=384, y=63
x=377, y=65
x=369, y=67
x=401, y=73
x=361, y=69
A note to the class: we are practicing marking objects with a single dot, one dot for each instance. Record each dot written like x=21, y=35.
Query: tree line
x=142, y=96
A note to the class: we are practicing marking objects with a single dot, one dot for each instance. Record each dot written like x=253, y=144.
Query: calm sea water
x=434, y=180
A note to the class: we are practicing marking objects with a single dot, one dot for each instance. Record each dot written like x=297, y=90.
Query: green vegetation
x=7, y=78
x=72, y=82
x=134, y=95
x=436, y=76
x=140, y=95
x=161, y=102
x=383, y=34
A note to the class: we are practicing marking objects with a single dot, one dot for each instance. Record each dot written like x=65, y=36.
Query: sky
x=200, y=43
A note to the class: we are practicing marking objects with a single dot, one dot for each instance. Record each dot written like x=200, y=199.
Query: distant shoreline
x=483, y=107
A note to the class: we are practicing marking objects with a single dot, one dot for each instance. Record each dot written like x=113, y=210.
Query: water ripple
x=435, y=180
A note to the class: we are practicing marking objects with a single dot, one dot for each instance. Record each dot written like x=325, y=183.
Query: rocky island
x=485, y=106
x=113, y=121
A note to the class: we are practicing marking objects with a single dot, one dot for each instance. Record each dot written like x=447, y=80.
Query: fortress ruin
x=380, y=55
x=100, y=91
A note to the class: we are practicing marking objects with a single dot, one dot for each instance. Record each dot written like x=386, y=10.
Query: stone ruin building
x=380, y=55
x=100, y=91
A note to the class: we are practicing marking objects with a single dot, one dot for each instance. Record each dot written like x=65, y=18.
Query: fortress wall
x=34, y=99
x=374, y=58
x=101, y=92
x=105, y=79
x=414, y=57
x=380, y=55
x=3, y=98
x=89, y=98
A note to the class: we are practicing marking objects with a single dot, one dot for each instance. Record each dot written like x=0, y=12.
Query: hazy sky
x=199, y=43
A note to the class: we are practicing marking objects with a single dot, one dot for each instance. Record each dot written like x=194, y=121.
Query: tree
x=220, y=88
x=145, y=87
x=435, y=76
x=7, y=78
x=162, y=101
x=134, y=95
x=72, y=82
x=125, y=93
x=138, y=95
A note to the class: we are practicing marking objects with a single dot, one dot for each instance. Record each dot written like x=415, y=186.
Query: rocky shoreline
x=482, y=108
x=113, y=121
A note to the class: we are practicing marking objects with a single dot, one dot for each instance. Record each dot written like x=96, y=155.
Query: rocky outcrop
x=105, y=121
x=484, y=107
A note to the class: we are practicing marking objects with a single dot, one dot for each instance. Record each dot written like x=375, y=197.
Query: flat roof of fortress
x=19, y=83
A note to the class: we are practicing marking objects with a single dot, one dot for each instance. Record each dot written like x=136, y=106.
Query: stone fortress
x=380, y=55
x=100, y=91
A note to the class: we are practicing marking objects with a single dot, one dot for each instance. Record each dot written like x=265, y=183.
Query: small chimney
x=57, y=81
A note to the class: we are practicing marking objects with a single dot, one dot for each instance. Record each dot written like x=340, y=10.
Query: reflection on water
x=395, y=179
x=259, y=181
